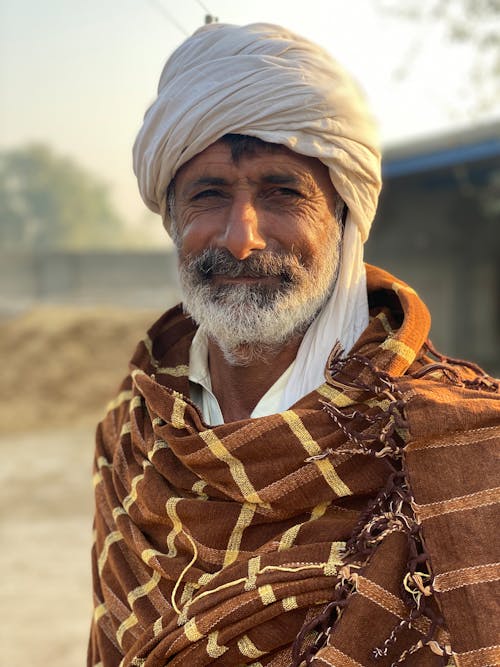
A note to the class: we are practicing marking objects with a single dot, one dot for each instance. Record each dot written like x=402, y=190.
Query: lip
x=242, y=280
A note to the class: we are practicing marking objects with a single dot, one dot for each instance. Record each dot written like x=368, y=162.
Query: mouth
x=224, y=279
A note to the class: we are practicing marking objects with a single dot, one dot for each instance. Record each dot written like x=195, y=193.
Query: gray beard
x=252, y=321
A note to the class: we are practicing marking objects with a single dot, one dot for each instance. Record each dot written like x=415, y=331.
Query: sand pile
x=61, y=365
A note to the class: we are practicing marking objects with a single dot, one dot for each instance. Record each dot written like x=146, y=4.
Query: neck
x=238, y=387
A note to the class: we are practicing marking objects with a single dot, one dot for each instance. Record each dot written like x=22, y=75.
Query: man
x=290, y=474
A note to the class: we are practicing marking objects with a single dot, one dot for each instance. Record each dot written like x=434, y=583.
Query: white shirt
x=201, y=385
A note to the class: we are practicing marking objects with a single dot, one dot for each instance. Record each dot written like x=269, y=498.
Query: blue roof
x=439, y=158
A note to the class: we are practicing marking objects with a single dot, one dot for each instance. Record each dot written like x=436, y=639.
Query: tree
x=50, y=202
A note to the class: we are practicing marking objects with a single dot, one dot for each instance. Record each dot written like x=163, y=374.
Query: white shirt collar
x=201, y=385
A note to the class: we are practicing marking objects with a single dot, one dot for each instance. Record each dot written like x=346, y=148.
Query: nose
x=242, y=234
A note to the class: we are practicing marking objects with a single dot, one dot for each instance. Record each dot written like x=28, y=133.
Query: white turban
x=267, y=82
x=264, y=81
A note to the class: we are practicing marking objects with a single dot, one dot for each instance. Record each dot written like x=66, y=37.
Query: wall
x=125, y=279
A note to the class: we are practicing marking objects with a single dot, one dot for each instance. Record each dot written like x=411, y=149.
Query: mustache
x=264, y=264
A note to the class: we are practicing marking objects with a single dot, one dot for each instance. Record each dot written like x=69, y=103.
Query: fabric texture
x=265, y=81
x=306, y=535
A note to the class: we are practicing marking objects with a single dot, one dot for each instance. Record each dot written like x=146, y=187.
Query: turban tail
x=263, y=81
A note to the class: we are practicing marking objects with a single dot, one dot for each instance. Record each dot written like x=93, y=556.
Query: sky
x=78, y=75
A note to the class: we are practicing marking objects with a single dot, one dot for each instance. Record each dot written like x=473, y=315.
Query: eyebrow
x=270, y=179
x=281, y=179
x=207, y=180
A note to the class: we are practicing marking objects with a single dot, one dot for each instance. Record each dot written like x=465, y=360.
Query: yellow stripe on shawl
x=313, y=449
x=248, y=648
x=191, y=631
x=253, y=571
x=244, y=520
x=382, y=318
x=401, y=349
x=188, y=591
x=118, y=511
x=159, y=444
x=206, y=578
x=236, y=467
x=99, y=611
x=126, y=625
x=289, y=603
x=132, y=496
x=267, y=594
x=126, y=428
x=198, y=489
x=335, y=396
x=158, y=626
x=121, y=398
x=290, y=535
x=214, y=649
x=111, y=538
x=178, y=413
x=340, y=400
x=102, y=462
x=334, y=559
x=174, y=371
x=143, y=590
x=136, y=402
x=148, y=344
x=170, y=506
x=148, y=554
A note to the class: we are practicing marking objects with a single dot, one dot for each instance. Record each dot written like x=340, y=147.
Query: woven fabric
x=305, y=536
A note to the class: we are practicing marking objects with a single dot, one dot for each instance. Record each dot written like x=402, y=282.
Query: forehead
x=216, y=160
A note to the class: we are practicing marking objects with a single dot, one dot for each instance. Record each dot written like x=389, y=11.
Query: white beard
x=249, y=321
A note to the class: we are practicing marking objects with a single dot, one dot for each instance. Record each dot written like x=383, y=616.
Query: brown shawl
x=304, y=537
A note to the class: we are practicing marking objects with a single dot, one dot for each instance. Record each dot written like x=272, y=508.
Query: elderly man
x=290, y=474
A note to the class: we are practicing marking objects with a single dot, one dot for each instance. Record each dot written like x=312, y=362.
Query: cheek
x=323, y=247
x=194, y=233
x=312, y=237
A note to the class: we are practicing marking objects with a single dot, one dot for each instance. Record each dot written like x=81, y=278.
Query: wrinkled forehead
x=259, y=157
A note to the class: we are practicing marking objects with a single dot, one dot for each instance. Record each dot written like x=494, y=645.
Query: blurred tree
x=50, y=202
x=468, y=22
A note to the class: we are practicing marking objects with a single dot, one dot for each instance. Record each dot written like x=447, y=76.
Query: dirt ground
x=59, y=368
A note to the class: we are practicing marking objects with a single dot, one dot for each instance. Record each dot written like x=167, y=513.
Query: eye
x=207, y=194
x=284, y=193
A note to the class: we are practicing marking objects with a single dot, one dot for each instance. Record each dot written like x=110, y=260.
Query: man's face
x=258, y=244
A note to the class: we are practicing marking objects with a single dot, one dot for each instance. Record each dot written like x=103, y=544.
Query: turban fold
x=263, y=81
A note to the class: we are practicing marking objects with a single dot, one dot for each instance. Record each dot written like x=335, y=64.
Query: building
x=438, y=228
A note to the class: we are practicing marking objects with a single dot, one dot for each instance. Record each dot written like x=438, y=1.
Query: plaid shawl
x=305, y=537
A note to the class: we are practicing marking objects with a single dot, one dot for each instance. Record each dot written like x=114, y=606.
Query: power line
x=204, y=7
x=166, y=14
